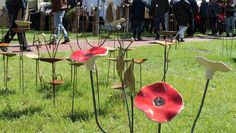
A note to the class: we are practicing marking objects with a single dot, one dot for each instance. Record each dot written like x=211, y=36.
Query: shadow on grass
x=14, y=114
x=85, y=115
x=47, y=89
x=5, y=92
x=234, y=60
x=81, y=115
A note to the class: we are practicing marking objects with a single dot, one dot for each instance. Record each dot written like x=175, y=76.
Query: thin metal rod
x=164, y=69
x=74, y=84
x=201, y=105
x=108, y=71
x=97, y=85
x=22, y=72
x=53, y=85
x=127, y=106
x=4, y=73
x=6, y=80
x=140, y=74
x=159, y=127
x=94, y=103
x=132, y=113
x=231, y=46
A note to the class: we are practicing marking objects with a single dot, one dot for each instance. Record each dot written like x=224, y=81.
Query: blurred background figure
x=58, y=11
x=203, y=11
x=230, y=18
x=158, y=10
x=192, y=22
x=16, y=10
x=137, y=17
x=183, y=14
x=213, y=10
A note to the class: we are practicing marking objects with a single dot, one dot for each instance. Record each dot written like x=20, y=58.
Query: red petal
x=98, y=51
x=81, y=56
x=164, y=113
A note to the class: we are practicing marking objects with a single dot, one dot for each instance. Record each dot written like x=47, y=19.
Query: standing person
x=14, y=7
x=158, y=10
x=230, y=18
x=58, y=10
x=183, y=13
x=203, y=16
x=137, y=17
x=192, y=24
x=213, y=10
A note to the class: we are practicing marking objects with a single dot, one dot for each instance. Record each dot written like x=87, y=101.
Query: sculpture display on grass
x=88, y=57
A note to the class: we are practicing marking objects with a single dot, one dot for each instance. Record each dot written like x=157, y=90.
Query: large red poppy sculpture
x=88, y=58
x=160, y=101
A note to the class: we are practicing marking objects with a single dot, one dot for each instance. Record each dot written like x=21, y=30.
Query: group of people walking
x=188, y=15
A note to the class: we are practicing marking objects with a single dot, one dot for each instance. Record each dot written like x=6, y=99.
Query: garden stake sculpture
x=88, y=58
x=52, y=59
x=166, y=45
x=6, y=55
x=74, y=65
x=211, y=67
x=127, y=80
x=160, y=101
x=23, y=26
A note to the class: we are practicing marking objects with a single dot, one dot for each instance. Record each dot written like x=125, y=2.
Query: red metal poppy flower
x=88, y=57
x=160, y=101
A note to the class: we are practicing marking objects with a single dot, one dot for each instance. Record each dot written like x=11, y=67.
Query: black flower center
x=88, y=54
x=159, y=101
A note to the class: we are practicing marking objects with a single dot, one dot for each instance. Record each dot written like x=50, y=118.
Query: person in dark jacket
x=183, y=13
x=213, y=10
x=58, y=10
x=13, y=7
x=203, y=16
x=158, y=10
x=137, y=12
x=192, y=24
x=230, y=18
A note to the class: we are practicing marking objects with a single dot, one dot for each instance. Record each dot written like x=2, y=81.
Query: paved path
x=109, y=43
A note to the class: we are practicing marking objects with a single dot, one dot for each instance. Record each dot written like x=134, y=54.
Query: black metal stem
x=132, y=112
x=94, y=103
x=164, y=69
x=53, y=85
x=159, y=127
x=74, y=84
x=97, y=85
x=127, y=105
x=6, y=74
x=108, y=71
x=201, y=105
x=140, y=74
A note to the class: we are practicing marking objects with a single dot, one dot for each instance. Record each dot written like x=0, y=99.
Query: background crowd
x=188, y=16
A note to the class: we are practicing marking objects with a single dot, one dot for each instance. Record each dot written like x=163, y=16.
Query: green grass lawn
x=34, y=111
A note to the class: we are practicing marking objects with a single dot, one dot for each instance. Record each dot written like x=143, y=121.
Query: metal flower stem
x=5, y=67
x=201, y=105
x=127, y=106
x=159, y=127
x=74, y=84
x=132, y=112
x=97, y=85
x=94, y=102
x=53, y=85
